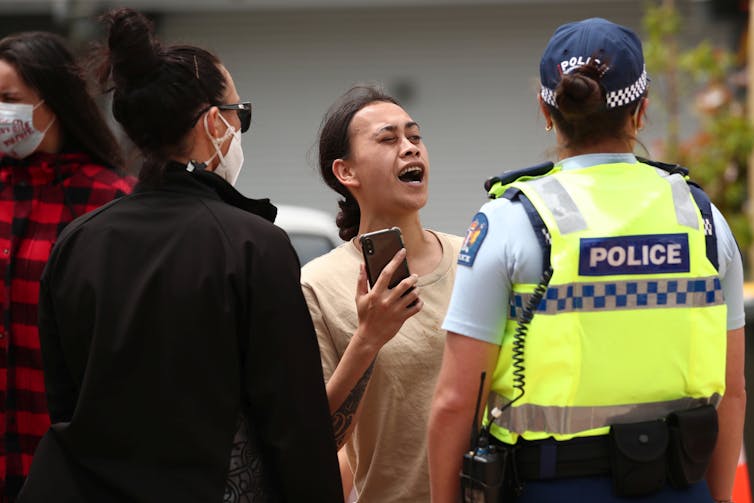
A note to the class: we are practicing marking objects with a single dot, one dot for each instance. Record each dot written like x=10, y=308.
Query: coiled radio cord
x=519, y=338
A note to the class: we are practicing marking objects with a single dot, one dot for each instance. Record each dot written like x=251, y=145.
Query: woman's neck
x=604, y=147
x=617, y=145
x=410, y=224
x=423, y=250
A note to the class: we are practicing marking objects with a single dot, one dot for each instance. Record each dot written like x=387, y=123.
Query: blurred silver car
x=312, y=232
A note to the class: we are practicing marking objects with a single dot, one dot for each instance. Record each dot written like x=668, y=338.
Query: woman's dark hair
x=159, y=91
x=45, y=64
x=582, y=115
x=335, y=143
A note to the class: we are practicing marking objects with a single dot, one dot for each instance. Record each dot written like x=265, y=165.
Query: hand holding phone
x=381, y=310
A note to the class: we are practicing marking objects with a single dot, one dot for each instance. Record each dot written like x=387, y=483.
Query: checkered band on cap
x=548, y=96
x=613, y=99
x=629, y=94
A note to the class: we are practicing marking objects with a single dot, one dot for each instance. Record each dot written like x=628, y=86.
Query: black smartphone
x=379, y=248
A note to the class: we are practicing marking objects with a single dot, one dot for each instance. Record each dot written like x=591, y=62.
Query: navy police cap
x=574, y=44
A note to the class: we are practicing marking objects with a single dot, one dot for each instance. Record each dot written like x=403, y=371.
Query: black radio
x=483, y=468
x=482, y=473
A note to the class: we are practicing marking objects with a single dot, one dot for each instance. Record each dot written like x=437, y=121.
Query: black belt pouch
x=693, y=434
x=638, y=457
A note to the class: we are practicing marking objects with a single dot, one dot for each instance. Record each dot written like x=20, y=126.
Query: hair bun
x=133, y=51
x=579, y=95
x=348, y=218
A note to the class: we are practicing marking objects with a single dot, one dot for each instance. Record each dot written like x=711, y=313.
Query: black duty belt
x=549, y=459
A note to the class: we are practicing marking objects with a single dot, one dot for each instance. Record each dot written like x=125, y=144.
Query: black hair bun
x=579, y=93
x=133, y=50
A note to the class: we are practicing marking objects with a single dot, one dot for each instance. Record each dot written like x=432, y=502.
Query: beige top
x=388, y=449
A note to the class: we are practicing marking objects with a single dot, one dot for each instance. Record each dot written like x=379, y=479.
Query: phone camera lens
x=369, y=247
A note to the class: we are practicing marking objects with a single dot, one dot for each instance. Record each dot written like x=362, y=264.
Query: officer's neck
x=615, y=146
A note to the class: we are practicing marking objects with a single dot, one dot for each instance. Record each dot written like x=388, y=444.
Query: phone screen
x=379, y=248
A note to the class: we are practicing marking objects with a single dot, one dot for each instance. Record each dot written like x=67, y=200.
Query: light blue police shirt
x=510, y=253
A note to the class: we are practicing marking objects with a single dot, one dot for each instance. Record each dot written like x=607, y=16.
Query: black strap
x=540, y=229
x=705, y=207
x=673, y=169
x=513, y=175
x=549, y=459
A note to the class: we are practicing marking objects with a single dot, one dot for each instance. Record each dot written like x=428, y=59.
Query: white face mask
x=230, y=163
x=18, y=136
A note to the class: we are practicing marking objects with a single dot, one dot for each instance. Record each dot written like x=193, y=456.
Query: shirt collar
x=587, y=160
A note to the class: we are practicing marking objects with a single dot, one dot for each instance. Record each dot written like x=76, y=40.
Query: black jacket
x=181, y=363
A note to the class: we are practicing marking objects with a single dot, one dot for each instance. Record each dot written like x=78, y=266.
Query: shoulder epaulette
x=513, y=175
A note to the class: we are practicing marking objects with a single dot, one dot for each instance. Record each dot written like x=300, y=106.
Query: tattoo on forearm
x=343, y=417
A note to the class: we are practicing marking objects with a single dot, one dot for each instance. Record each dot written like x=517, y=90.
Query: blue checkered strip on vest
x=622, y=295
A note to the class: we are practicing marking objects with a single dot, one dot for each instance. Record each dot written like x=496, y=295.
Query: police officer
x=602, y=297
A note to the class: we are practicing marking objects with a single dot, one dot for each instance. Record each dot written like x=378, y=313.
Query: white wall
x=474, y=72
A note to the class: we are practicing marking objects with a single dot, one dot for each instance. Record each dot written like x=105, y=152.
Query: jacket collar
x=176, y=178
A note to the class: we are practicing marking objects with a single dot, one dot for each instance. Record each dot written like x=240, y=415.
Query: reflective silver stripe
x=626, y=294
x=685, y=210
x=569, y=218
x=572, y=420
x=561, y=205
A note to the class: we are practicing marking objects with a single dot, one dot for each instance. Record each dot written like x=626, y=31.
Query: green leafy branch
x=717, y=154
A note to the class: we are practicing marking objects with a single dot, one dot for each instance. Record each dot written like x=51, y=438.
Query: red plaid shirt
x=39, y=195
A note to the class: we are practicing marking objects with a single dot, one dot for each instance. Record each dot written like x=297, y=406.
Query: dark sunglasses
x=243, y=110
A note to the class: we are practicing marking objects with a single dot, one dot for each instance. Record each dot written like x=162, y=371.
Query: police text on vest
x=642, y=254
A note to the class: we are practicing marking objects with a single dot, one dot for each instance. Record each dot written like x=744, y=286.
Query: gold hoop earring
x=548, y=128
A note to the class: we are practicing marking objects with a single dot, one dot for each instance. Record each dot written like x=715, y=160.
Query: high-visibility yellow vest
x=632, y=325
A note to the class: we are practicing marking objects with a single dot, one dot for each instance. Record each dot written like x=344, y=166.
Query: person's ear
x=545, y=112
x=641, y=114
x=214, y=123
x=345, y=173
